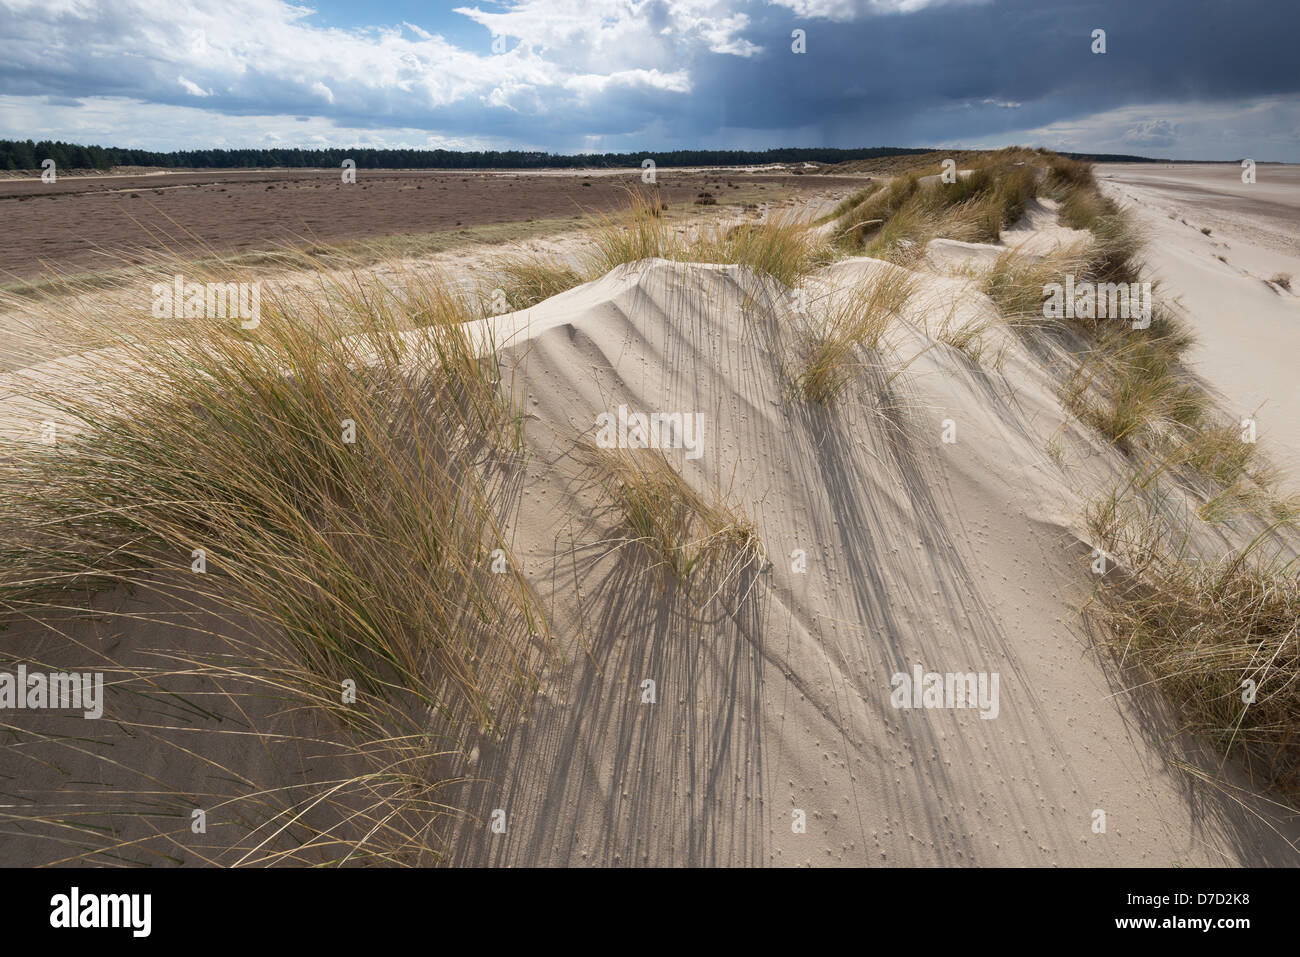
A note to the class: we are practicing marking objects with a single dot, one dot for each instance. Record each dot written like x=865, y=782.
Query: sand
x=1248, y=328
x=774, y=701
x=960, y=557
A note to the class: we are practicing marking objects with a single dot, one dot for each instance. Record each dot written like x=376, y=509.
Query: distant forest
x=27, y=155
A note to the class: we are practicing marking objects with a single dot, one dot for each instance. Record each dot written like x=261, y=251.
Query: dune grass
x=1127, y=383
x=319, y=502
x=850, y=202
x=1131, y=385
x=1015, y=281
x=895, y=223
x=526, y=280
x=778, y=246
x=234, y=441
x=901, y=238
x=1218, y=636
x=1216, y=631
x=853, y=224
x=1132, y=389
x=845, y=322
x=1072, y=184
x=971, y=337
x=340, y=473
x=695, y=541
x=347, y=469
x=635, y=232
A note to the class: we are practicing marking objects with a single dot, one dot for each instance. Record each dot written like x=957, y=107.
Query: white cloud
x=101, y=119
x=615, y=72
x=604, y=35
x=419, y=32
x=1152, y=133
x=845, y=10
x=678, y=82
x=193, y=89
x=269, y=55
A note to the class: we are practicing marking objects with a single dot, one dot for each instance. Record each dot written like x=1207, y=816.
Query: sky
x=1183, y=79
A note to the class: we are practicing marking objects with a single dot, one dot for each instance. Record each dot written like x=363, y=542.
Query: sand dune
x=919, y=552
x=888, y=547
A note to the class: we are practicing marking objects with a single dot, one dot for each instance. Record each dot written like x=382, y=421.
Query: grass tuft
x=344, y=468
x=848, y=321
x=694, y=541
x=526, y=280
x=1220, y=637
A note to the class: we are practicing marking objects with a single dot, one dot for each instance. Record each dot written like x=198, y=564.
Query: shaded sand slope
x=776, y=697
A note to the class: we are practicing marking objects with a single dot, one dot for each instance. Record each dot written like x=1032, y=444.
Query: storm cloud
x=1179, y=78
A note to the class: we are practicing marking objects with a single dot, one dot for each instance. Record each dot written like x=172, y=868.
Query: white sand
x=961, y=557
x=1248, y=329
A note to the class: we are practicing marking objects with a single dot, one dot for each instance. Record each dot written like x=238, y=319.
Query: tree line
x=28, y=155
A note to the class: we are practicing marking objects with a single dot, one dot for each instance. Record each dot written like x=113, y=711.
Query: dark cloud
x=944, y=74
x=903, y=75
x=1152, y=133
